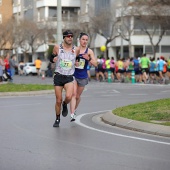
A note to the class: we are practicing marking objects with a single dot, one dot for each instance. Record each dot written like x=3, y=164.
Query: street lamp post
x=59, y=22
x=17, y=23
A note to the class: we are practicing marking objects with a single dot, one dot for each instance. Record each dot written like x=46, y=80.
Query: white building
x=140, y=42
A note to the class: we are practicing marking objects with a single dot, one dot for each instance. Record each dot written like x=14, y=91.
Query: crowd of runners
x=146, y=70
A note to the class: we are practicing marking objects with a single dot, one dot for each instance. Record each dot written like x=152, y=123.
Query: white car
x=29, y=68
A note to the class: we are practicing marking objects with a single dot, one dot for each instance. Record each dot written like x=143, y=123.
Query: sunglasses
x=69, y=36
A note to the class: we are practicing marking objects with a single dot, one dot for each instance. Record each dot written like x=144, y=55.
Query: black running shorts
x=61, y=80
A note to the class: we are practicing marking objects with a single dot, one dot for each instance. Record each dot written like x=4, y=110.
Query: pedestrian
x=38, y=64
x=97, y=69
x=100, y=68
x=144, y=64
x=85, y=57
x=21, y=68
x=168, y=65
x=64, y=55
x=107, y=63
x=7, y=66
x=161, y=63
x=112, y=68
x=137, y=69
x=13, y=65
x=2, y=68
x=129, y=69
x=43, y=69
x=49, y=72
x=152, y=70
x=120, y=69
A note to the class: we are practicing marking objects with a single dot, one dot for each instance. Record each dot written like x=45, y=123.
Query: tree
x=104, y=23
x=6, y=32
x=153, y=19
x=126, y=23
x=31, y=36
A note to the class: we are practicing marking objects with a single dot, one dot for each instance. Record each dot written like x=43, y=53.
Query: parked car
x=29, y=68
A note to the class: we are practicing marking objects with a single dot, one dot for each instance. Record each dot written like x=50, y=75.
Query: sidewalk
x=149, y=128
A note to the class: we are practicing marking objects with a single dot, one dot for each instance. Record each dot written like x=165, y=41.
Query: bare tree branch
x=153, y=19
x=105, y=24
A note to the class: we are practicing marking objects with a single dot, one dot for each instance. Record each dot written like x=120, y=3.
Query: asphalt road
x=28, y=141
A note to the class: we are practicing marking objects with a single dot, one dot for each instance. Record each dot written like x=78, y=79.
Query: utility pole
x=17, y=24
x=59, y=22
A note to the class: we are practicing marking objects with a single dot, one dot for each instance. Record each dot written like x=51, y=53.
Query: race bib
x=65, y=64
x=81, y=64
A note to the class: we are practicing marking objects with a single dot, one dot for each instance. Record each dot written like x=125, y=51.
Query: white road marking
x=115, y=91
x=78, y=121
x=110, y=95
x=137, y=94
x=108, y=91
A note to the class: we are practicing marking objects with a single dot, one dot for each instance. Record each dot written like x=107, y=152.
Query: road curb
x=148, y=128
x=30, y=93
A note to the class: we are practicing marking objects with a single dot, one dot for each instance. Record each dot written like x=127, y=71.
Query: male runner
x=144, y=64
x=81, y=77
x=64, y=55
x=38, y=64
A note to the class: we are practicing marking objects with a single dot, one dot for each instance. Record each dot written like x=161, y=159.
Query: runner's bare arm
x=90, y=57
x=53, y=57
x=77, y=51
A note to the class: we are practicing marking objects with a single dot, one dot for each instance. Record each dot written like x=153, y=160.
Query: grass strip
x=153, y=112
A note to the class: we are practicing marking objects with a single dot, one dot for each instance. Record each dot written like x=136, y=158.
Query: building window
x=101, y=5
x=165, y=49
x=52, y=12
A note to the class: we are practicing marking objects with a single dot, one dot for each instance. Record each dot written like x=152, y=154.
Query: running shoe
x=65, y=110
x=73, y=117
x=56, y=123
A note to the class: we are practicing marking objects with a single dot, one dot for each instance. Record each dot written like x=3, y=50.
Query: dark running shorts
x=120, y=71
x=61, y=80
x=101, y=70
x=145, y=70
x=138, y=72
x=112, y=70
